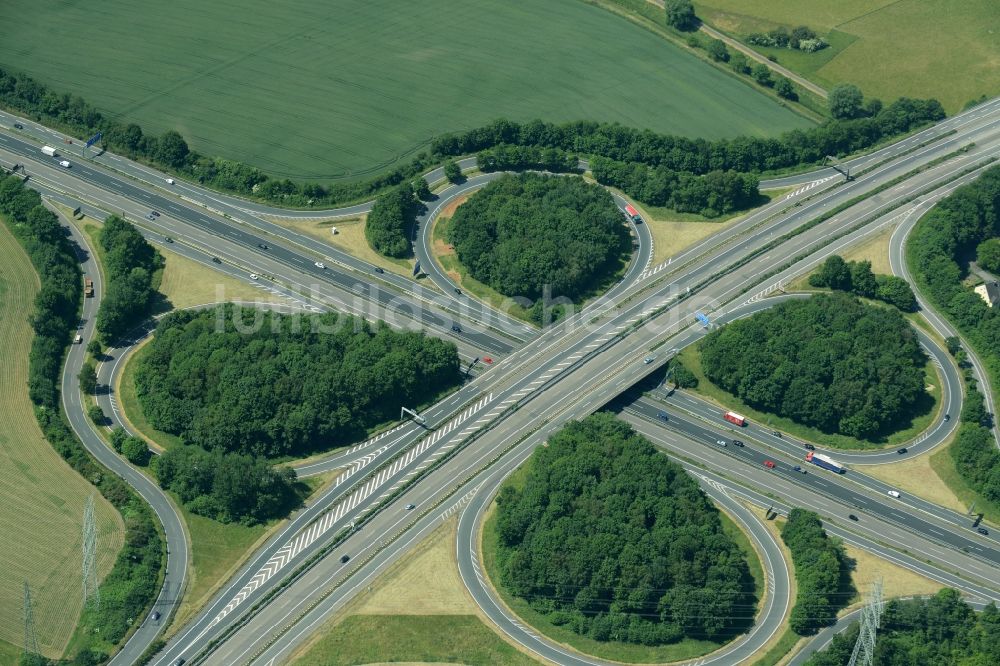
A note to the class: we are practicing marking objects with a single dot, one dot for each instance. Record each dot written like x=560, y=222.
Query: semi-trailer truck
x=733, y=417
x=88, y=287
x=825, y=462
x=633, y=213
x=49, y=150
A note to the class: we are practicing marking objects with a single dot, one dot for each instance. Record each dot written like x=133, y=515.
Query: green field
x=948, y=49
x=338, y=89
x=41, y=497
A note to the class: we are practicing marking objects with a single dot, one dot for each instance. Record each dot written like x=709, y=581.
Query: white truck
x=49, y=150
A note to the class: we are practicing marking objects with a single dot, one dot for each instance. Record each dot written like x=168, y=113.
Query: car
x=456, y=328
x=263, y=246
x=798, y=468
x=149, y=216
x=737, y=442
x=947, y=417
x=156, y=616
x=253, y=276
x=410, y=507
x=179, y=662
x=983, y=531
x=380, y=271
x=892, y=493
x=170, y=181
x=488, y=359
x=901, y=451
x=320, y=265
x=721, y=442
x=776, y=433
x=852, y=517
x=344, y=558
x=154, y=213
x=663, y=416
x=168, y=239
x=78, y=339
x=216, y=260
x=64, y=164
x=458, y=291
x=769, y=464
x=648, y=359
x=80, y=324
x=810, y=447
x=18, y=126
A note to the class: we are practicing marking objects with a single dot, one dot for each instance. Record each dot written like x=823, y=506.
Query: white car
x=649, y=359
x=253, y=276
x=64, y=164
x=893, y=493
x=170, y=181
x=78, y=339
x=721, y=442
x=319, y=264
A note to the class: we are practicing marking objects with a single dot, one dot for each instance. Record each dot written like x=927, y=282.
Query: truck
x=733, y=417
x=49, y=150
x=88, y=287
x=826, y=462
x=633, y=214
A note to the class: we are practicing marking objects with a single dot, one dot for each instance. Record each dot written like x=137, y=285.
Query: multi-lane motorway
x=565, y=372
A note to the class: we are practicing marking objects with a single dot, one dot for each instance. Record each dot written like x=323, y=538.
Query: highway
x=531, y=413
x=581, y=354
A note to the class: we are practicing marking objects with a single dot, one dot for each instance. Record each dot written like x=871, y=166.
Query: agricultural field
x=41, y=498
x=299, y=89
x=890, y=48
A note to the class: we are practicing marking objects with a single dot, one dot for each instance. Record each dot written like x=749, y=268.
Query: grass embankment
x=919, y=476
x=482, y=63
x=613, y=650
x=890, y=48
x=419, y=611
x=691, y=358
x=943, y=466
x=41, y=498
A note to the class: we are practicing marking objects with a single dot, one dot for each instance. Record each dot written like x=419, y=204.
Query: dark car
x=18, y=126
x=852, y=517
x=156, y=615
x=216, y=260
x=154, y=213
x=168, y=239
x=456, y=328
x=776, y=433
x=901, y=451
x=263, y=246
x=344, y=558
x=737, y=442
x=810, y=447
x=947, y=417
x=983, y=531
x=379, y=270
x=458, y=291
x=662, y=415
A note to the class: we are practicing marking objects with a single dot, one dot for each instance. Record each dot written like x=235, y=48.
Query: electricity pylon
x=871, y=616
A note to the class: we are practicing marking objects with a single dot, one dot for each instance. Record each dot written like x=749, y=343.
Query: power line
x=91, y=589
x=30, y=639
x=871, y=616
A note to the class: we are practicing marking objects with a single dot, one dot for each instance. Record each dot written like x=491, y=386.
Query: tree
x=761, y=73
x=452, y=171
x=834, y=273
x=739, y=63
x=862, y=282
x=118, y=438
x=88, y=378
x=388, y=226
x=785, y=88
x=820, y=567
x=173, y=149
x=988, y=255
x=96, y=414
x=680, y=15
x=845, y=101
x=136, y=451
x=94, y=348
x=422, y=190
x=896, y=291
x=954, y=344
x=718, y=51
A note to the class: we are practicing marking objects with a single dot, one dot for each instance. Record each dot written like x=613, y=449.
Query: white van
x=78, y=339
x=170, y=181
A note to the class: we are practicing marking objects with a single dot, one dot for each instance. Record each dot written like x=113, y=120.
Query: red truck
x=733, y=417
x=633, y=213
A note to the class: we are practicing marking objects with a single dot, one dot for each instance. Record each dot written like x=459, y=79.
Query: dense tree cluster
x=822, y=575
x=829, y=361
x=680, y=15
x=746, y=154
x=711, y=195
x=130, y=262
x=988, y=255
x=938, y=251
x=261, y=383
x=58, y=300
x=613, y=540
x=856, y=277
x=506, y=157
x=390, y=223
x=130, y=587
x=942, y=630
x=227, y=487
x=801, y=38
x=522, y=233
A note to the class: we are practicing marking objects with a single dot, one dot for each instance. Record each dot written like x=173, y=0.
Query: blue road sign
x=94, y=139
x=702, y=319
